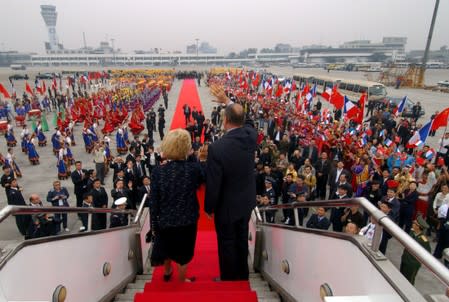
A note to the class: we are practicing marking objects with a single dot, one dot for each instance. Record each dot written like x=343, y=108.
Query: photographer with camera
x=58, y=197
x=42, y=224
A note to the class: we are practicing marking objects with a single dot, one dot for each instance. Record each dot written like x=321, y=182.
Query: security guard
x=271, y=194
x=119, y=219
x=409, y=264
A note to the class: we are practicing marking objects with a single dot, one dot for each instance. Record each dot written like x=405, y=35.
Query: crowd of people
x=310, y=151
x=295, y=148
x=118, y=107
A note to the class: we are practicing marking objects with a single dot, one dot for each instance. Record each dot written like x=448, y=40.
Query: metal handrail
x=421, y=254
x=27, y=210
x=140, y=210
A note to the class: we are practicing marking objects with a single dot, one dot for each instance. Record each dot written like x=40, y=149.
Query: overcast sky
x=229, y=25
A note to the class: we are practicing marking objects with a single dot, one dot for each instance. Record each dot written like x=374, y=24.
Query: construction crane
x=422, y=70
x=413, y=76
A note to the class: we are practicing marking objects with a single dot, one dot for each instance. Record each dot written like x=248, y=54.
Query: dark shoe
x=216, y=279
x=168, y=276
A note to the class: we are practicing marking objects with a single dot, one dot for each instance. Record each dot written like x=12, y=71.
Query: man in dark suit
x=144, y=189
x=311, y=152
x=100, y=200
x=334, y=177
x=319, y=220
x=139, y=171
x=15, y=198
x=131, y=156
x=117, y=165
x=79, y=179
x=231, y=189
x=322, y=169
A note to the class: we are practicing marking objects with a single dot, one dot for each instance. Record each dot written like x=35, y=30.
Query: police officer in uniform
x=271, y=194
x=409, y=264
x=119, y=219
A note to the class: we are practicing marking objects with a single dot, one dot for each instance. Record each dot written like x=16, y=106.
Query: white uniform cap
x=120, y=201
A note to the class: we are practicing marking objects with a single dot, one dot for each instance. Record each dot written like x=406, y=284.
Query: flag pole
x=445, y=129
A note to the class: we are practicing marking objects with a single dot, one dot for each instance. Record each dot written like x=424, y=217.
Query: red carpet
x=204, y=265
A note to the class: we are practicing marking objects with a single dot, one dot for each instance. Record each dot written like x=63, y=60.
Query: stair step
x=144, y=277
x=216, y=296
x=136, y=286
x=267, y=295
x=198, y=286
x=269, y=299
x=125, y=297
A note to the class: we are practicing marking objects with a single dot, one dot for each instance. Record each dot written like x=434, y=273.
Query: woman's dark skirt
x=176, y=243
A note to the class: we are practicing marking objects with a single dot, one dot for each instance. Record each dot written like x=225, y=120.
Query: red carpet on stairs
x=204, y=265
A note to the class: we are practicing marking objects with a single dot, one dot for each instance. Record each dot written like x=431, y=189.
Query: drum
x=20, y=120
x=34, y=112
x=3, y=127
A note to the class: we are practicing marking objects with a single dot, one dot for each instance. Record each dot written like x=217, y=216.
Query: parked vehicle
x=18, y=77
x=18, y=67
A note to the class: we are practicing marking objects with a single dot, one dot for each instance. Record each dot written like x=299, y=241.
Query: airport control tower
x=50, y=15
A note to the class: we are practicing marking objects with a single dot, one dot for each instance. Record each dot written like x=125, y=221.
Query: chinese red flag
x=4, y=91
x=28, y=88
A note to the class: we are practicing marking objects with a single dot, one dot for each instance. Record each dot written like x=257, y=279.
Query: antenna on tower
x=84, y=40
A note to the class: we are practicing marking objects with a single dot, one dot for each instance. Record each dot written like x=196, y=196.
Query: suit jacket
x=15, y=197
x=315, y=223
x=142, y=168
x=78, y=181
x=323, y=168
x=333, y=176
x=117, y=167
x=55, y=202
x=141, y=192
x=230, y=182
x=312, y=155
x=100, y=198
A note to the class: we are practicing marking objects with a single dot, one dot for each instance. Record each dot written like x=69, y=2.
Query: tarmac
x=38, y=179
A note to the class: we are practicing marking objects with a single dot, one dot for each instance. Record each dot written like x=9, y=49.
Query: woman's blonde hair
x=176, y=145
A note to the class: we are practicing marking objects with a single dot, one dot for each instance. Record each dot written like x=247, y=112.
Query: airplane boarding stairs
x=290, y=263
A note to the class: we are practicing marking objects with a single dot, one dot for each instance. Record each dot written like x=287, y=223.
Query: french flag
x=398, y=110
x=429, y=154
x=388, y=142
x=419, y=137
x=350, y=109
x=363, y=140
x=287, y=86
x=311, y=94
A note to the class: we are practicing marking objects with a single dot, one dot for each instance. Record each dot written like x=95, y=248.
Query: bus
x=353, y=89
x=17, y=67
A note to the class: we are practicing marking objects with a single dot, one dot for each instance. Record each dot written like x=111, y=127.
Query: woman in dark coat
x=174, y=205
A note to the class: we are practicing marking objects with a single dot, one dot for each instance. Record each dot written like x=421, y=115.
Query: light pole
x=113, y=51
x=197, y=50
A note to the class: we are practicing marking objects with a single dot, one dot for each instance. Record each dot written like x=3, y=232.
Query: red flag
x=54, y=85
x=280, y=90
x=4, y=91
x=44, y=87
x=337, y=99
x=294, y=87
x=306, y=89
x=359, y=119
x=28, y=88
x=440, y=120
x=327, y=93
